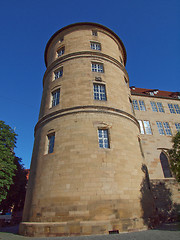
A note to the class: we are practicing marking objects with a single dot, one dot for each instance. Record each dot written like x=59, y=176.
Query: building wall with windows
x=87, y=172
x=159, y=120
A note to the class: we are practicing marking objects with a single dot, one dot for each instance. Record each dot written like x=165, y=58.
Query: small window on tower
x=51, y=140
x=61, y=51
x=94, y=33
x=97, y=67
x=96, y=46
x=55, y=98
x=103, y=137
x=58, y=73
x=99, y=92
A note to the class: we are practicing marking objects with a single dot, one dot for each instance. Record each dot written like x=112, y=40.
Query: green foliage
x=174, y=156
x=7, y=165
x=16, y=194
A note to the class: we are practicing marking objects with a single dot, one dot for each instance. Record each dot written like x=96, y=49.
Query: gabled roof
x=154, y=93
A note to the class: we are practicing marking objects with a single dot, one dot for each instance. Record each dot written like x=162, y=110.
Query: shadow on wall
x=156, y=201
x=167, y=210
x=149, y=210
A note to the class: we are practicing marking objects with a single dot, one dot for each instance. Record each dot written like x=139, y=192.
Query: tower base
x=73, y=228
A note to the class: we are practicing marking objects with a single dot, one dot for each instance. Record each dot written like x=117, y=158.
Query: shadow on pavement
x=169, y=226
x=10, y=229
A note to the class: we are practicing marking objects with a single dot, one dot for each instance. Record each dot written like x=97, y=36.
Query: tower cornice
x=85, y=109
x=85, y=24
x=87, y=54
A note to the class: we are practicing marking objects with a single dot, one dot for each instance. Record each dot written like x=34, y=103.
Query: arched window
x=165, y=165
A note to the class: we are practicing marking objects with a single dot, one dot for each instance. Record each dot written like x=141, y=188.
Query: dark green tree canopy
x=16, y=193
x=174, y=156
x=7, y=165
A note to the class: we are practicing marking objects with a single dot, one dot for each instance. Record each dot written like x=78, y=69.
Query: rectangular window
x=55, y=97
x=167, y=128
x=97, y=67
x=135, y=105
x=160, y=107
x=177, y=125
x=142, y=105
x=164, y=128
x=99, y=92
x=145, y=127
x=95, y=46
x=171, y=108
x=94, y=33
x=58, y=73
x=157, y=107
x=176, y=106
x=61, y=51
x=160, y=128
x=51, y=140
x=103, y=138
x=154, y=108
x=139, y=105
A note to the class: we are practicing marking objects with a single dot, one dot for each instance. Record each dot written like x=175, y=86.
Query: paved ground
x=164, y=232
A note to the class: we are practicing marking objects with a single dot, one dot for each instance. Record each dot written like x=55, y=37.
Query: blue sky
x=150, y=31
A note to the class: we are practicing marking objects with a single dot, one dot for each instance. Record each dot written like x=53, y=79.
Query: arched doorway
x=165, y=165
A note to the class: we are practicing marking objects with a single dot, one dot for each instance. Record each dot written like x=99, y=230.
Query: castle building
x=88, y=171
x=158, y=114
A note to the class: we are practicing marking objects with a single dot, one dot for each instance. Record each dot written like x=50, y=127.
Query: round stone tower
x=86, y=172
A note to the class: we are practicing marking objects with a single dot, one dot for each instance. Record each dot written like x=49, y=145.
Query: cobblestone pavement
x=164, y=232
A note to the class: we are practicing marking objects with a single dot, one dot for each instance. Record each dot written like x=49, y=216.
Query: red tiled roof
x=154, y=93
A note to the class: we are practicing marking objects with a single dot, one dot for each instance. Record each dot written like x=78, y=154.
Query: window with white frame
x=55, y=95
x=174, y=108
x=61, y=51
x=99, y=92
x=139, y=105
x=177, y=108
x=160, y=128
x=160, y=107
x=177, y=125
x=103, y=137
x=58, y=73
x=97, y=67
x=135, y=104
x=141, y=127
x=157, y=107
x=51, y=141
x=154, y=107
x=167, y=128
x=164, y=128
x=142, y=105
x=145, y=127
x=95, y=46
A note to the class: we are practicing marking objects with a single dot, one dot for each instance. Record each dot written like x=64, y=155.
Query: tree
x=7, y=165
x=16, y=193
x=174, y=156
